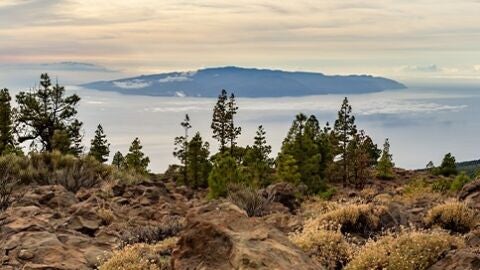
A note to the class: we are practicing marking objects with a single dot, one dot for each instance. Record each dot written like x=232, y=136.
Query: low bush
x=328, y=247
x=413, y=250
x=106, y=215
x=150, y=234
x=352, y=218
x=249, y=199
x=54, y=168
x=142, y=257
x=442, y=185
x=417, y=186
x=455, y=216
x=7, y=186
x=459, y=181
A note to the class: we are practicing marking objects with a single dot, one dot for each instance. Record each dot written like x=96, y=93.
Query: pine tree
x=344, y=131
x=118, y=160
x=181, y=147
x=301, y=144
x=75, y=135
x=232, y=131
x=360, y=160
x=7, y=140
x=257, y=161
x=136, y=160
x=46, y=112
x=99, y=146
x=220, y=121
x=199, y=166
x=448, y=166
x=385, y=164
x=225, y=171
x=287, y=169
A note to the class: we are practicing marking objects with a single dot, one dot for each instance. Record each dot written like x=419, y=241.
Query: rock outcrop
x=470, y=193
x=53, y=228
x=221, y=236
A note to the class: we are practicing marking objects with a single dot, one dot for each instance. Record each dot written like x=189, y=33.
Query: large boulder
x=284, y=193
x=458, y=259
x=470, y=193
x=221, y=236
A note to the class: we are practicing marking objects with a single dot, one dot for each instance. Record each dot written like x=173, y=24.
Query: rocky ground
x=49, y=227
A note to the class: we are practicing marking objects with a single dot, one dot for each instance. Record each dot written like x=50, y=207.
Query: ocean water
x=422, y=123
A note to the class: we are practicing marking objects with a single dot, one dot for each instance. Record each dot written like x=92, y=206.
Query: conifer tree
x=181, y=147
x=287, y=169
x=220, y=121
x=199, y=166
x=301, y=144
x=360, y=160
x=232, y=131
x=257, y=161
x=7, y=140
x=344, y=130
x=448, y=166
x=136, y=160
x=118, y=160
x=385, y=164
x=46, y=112
x=99, y=146
x=225, y=171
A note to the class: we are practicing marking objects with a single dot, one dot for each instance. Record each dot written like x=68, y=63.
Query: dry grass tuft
x=327, y=247
x=142, y=257
x=413, y=250
x=453, y=215
x=106, y=215
x=351, y=218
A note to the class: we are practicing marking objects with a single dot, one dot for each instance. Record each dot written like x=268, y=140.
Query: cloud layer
x=146, y=36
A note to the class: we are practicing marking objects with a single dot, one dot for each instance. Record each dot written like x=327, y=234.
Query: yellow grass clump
x=327, y=247
x=413, y=250
x=142, y=257
x=351, y=218
x=453, y=215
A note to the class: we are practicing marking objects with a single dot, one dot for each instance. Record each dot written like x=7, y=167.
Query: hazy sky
x=411, y=40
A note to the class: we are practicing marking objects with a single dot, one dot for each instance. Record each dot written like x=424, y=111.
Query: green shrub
x=225, y=171
x=249, y=199
x=54, y=168
x=418, y=185
x=7, y=186
x=328, y=193
x=459, y=181
x=408, y=250
x=442, y=185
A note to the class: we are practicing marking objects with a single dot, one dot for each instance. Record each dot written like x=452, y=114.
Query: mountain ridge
x=245, y=82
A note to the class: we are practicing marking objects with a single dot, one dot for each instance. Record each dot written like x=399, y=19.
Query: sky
x=85, y=40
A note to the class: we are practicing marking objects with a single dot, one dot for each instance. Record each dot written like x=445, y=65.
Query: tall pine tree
x=199, y=166
x=344, y=131
x=232, y=131
x=301, y=145
x=118, y=160
x=7, y=139
x=181, y=147
x=136, y=160
x=47, y=113
x=257, y=161
x=220, y=120
x=385, y=164
x=99, y=146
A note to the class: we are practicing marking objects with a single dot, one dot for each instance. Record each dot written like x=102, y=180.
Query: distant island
x=245, y=82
